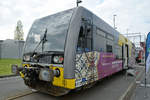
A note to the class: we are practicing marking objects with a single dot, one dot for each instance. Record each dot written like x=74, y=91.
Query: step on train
x=72, y=50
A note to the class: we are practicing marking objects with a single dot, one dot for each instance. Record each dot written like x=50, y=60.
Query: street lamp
x=78, y=1
x=114, y=21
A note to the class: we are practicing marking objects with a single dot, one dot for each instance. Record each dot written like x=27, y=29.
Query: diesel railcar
x=70, y=50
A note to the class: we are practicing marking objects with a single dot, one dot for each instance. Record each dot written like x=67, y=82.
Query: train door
x=125, y=55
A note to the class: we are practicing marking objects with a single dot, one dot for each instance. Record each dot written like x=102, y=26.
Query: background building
x=139, y=40
x=11, y=49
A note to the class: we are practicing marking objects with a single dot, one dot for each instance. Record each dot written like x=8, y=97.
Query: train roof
x=100, y=22
x=105, y=27
x=97, y=21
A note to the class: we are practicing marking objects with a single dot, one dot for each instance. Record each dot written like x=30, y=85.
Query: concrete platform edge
x=4, y=76
x=128, y=93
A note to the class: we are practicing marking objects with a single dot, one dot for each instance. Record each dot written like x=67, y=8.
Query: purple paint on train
x=108, y=65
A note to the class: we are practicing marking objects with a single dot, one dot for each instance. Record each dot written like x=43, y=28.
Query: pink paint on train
x=108, y=65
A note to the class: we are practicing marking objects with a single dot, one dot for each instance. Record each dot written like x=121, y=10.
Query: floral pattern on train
x=86, y=68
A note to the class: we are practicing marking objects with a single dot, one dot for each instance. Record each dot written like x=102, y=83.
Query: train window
x=85, y=39
x=109, y=48
x=118, y=52
x=88, y=38
x=110, y=37
x=80, y=39
x=101, y=33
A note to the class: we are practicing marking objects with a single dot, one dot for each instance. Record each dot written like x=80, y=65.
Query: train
x=72, y=50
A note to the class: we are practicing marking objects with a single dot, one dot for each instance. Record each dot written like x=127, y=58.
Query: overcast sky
x=133, y=15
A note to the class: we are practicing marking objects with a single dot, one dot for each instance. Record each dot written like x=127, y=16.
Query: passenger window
x=118, y=52
x=109, y=48
x=101, y=33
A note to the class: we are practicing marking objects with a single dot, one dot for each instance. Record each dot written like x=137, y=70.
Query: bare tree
x=19, y=31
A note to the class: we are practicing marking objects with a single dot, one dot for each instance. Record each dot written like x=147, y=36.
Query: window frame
x=108, y=49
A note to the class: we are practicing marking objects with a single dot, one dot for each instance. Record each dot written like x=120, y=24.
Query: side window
x=109, y=48
x=88, y=37
x=100, y=33
x=118, y=52
x=85, y=38
x=110, y=37
x=99, y=39
x=80, y=38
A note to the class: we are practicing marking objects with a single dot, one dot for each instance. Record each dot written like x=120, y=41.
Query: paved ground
x=11, y=86
x=111, y=88
x=142, y=92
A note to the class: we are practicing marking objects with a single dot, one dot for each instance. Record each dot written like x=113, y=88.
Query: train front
x=43, y=56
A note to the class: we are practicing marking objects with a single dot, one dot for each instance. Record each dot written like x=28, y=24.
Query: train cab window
x=84, y=39
x=88, y=38
x=80, y=44
x=109, y=48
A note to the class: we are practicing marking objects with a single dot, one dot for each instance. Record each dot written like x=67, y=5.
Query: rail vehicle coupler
x=15, y=69
x=48, y=74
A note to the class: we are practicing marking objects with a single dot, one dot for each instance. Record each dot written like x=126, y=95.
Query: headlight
x=26, y=57
x=58, y=59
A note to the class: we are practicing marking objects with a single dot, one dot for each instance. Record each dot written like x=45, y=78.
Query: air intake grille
x=45, y=59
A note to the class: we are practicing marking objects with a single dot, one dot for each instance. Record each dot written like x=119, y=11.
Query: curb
x=128, y=93
x=22, y=94
x=4, y=76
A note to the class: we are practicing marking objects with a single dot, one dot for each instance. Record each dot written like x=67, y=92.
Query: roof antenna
x=78, y=1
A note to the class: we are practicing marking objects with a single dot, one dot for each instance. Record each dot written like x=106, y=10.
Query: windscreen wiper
x=43, y=40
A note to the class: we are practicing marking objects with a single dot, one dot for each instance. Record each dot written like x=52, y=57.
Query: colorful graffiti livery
x=86, y=68
x=93, y=66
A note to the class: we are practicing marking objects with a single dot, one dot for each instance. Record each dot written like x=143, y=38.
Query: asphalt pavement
x=110, y=88
x=11, y=86
x=141, y=92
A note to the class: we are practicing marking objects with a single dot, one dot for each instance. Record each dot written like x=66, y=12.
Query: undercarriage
x=31, y=79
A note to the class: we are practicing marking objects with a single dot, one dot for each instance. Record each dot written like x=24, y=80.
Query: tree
x=19, y=31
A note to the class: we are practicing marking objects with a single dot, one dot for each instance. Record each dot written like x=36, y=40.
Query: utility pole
x=78, y=1
x=140, y=37
x=127, y=32
x=114, y=21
